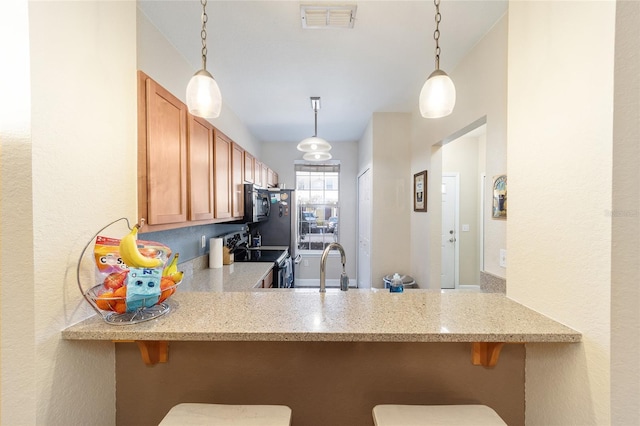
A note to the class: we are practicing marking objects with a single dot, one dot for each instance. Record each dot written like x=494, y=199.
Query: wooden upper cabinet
x=272, y=180
x=257, y=172
x=201, y=169
x=264, y=177
x=162, y=154
x=237, y=180
x=248, y=167
x=222, y=181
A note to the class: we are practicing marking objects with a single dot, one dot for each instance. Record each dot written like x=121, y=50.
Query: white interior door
x=364, y=229
x=449, y=277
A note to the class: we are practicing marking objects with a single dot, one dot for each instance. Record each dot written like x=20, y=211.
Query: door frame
x=367, y=169
x=456, y=253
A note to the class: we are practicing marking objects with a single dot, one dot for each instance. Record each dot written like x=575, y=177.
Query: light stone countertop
x=239, y=276
x=355, y=315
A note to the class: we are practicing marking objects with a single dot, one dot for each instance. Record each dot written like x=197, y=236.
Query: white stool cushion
x=435, y=415
x=189, y=414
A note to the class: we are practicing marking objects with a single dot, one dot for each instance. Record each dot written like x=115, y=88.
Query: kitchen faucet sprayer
x=344, y=279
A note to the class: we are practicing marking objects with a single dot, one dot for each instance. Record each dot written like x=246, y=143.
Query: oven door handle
x=297, y=260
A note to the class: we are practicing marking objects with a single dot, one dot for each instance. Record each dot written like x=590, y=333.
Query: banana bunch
x=171, y=270
x=130, y=254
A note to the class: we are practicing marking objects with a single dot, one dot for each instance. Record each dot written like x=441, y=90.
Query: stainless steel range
x=238, y=244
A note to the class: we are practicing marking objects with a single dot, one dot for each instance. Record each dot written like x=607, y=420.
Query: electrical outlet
x=503, y=258
x=203, y=241
x=305, y=262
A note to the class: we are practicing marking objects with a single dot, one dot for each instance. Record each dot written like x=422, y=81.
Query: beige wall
x=560, y=166
x=280, y=157
x=625, y=276
x=392, y=196
x=16, y=227
x=481, y=86
x=81, y=85
x=162, y=62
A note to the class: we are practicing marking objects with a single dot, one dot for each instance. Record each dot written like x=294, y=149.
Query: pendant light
x=317, y=156
x=314, y=143
x=438, y=95
x=203, y=94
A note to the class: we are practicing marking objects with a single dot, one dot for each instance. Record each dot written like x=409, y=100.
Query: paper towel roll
x=215, y=253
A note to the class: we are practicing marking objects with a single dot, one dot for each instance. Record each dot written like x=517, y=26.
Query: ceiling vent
x=327, y=15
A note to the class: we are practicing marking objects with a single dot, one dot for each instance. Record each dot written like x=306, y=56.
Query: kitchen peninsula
x=347, y=351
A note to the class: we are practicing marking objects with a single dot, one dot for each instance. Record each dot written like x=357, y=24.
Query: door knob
x=452, y=240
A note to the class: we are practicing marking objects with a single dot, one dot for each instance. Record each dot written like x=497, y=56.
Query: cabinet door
x=257, y=172
x=237, y=180
x=166, y=156
x=200, y=169
x=264, y=177
x=275, y=179
x=267, y=282
x=271, y=178
x=222, y=174
x=248, y=167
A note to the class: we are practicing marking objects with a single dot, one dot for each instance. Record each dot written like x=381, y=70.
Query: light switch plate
x=503, y=258
x=465, y=227
x=203, y=241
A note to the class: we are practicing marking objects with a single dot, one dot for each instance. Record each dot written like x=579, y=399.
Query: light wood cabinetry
x=162, y=154
x=264, y=177
x=237, y=180
x=222, y=158
x=201, y=169
x=267, y=282
x=248, y=167
x=257, y=172
x=189, y=173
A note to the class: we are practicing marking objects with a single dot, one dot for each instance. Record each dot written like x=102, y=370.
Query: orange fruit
x=120, y=307
x=103, y=302
x=121, y=292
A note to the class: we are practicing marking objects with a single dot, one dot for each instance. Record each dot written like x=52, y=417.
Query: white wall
x=481, y=86
x=162, y=62
x=280, y=157
x=560, y=167
x=625, y=292
x=78, y=174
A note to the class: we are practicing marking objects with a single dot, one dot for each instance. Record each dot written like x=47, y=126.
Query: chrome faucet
x=344, y=279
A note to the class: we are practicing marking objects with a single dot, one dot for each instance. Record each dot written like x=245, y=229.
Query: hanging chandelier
x=203, y=94
x=438, y=95
x=314, y=143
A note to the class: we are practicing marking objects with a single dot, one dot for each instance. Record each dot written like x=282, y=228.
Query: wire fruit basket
x=145, y=300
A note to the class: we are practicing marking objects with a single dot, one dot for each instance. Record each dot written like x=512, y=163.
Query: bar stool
x=435, y=415
x=192, y=414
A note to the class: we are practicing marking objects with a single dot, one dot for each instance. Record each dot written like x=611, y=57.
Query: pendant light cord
x=203, y=34
x=436, y=33
x=315, y=129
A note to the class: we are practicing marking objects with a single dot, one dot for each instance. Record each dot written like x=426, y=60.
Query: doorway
x=462, y=227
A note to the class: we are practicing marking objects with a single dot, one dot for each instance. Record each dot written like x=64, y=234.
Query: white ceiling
x=267, y=66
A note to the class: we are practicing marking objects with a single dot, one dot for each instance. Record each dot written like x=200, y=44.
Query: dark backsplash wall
x=186, y=241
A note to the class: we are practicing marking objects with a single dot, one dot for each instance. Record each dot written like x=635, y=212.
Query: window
x=317, y=204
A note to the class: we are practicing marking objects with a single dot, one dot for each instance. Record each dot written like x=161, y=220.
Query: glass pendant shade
x=314, y=144
x=438, y=95
x=317, y=156
x=203, y=95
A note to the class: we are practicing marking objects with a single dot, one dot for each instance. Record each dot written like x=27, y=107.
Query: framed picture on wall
x=499, y=210
x=420, y=191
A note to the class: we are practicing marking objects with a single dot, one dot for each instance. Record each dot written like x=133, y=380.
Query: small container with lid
x=396, y=284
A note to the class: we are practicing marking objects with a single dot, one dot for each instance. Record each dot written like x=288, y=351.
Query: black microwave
x=256, y=203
